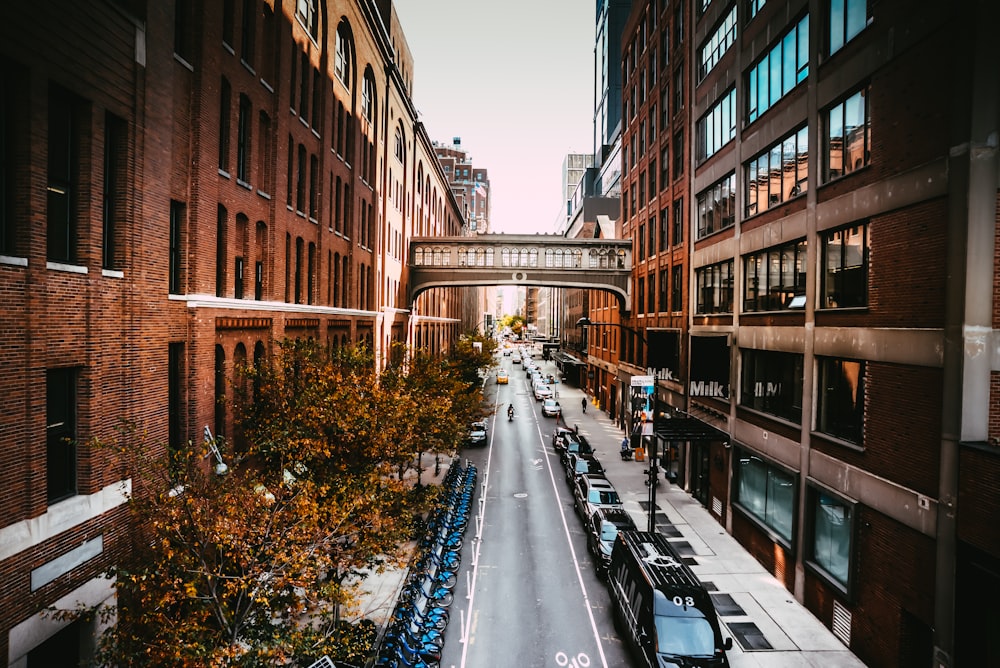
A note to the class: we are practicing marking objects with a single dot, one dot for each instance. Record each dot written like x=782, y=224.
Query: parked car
x=559, y=437
x=477, y=433
x=602, y=529
x=575, y=444
x=593, y=491
x=551, y=408
x=542, y=391
x=577, y=465
x=502, y=377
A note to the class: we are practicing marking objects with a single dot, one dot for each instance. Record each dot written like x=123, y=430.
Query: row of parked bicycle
x=414, y=636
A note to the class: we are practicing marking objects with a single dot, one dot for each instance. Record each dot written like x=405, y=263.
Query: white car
x=542, y=391
x=551, y=408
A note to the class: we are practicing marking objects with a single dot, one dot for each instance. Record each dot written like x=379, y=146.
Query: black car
x=602, y=529
x=576, y=444
x=577, y=464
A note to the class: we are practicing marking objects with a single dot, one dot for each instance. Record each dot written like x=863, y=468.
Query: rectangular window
x=313, y=188
x=845, y=267
x=678, y=154
x=304, y=69
x=640, y=298
x=175, y=408
x=62, y=176
x=8, y=228
x=678, y=214
x=651, y=293
x=779, y=71
x=183, y=33
x=831, y=537
x=290, y=172
x=717, y=207
x=678, y=93
x=664, y=167
x=300, y=181
x=60, y=433
x=840, y=409
x=258, y=281
x=663, y=304
x=651, y=241
x=243, y=140
x=248, y=32
x=715, y=289
x=775, y=279
x=753, y=7
x=677, y=288
x=238, y=277
x=225, y=100
x=664, y=230
x=718, y=43
x=221, y=224
x=176, y=257
x=115, y=166
x=778, y=174
x=848, y=136
x=847, y=19
x=640, y=242
x=766, y=493
x=264, y=154
x=771, y=382
x=228, y=21
x=718, y=127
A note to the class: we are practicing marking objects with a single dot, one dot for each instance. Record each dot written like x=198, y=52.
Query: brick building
x=183, y=184
x=840, y=179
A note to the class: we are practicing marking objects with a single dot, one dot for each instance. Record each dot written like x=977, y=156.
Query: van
x=661, y=607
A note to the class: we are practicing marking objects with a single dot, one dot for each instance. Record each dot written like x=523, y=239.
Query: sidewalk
x=768, y=626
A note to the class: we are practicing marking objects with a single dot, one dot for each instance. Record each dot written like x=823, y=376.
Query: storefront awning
x=688, y=428
x=566, y=358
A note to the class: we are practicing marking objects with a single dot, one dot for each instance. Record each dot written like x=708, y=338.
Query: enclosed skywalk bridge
x=522, y=259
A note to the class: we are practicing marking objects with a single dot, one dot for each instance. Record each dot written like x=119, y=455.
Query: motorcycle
x=510, y=415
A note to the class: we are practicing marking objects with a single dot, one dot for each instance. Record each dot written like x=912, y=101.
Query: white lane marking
x=576, y=562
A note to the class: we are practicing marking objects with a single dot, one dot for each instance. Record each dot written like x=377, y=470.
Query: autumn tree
x=253, y=568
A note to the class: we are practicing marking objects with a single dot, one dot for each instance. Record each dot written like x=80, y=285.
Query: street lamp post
x=651, y=473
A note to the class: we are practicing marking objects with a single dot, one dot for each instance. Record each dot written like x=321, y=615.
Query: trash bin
x=640, y=454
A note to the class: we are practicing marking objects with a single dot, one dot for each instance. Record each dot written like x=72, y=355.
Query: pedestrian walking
x=583, y=404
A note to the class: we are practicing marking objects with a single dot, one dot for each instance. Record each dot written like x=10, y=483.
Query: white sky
x=514, y=80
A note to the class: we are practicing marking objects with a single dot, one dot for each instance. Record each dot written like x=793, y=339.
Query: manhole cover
x=521, y=495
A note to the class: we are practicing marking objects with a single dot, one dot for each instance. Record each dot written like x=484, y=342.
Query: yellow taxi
x=502, y=377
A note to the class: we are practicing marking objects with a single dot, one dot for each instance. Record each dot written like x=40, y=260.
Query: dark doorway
x=700, y=465
x=60, y=651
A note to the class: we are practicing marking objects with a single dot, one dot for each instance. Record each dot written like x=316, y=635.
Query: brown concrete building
x=180, y=190
x=839, y=171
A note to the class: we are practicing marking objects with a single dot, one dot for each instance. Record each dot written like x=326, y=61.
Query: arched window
x=577, y=259
x=504, y=257
x=344, y=62
x=399, y=149
x=489, y=257
x=220, y=390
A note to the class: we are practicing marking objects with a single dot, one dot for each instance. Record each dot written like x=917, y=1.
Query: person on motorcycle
x=510, y=412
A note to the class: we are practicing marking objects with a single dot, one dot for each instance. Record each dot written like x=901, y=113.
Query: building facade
x=184, y=184
x=838, y=215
